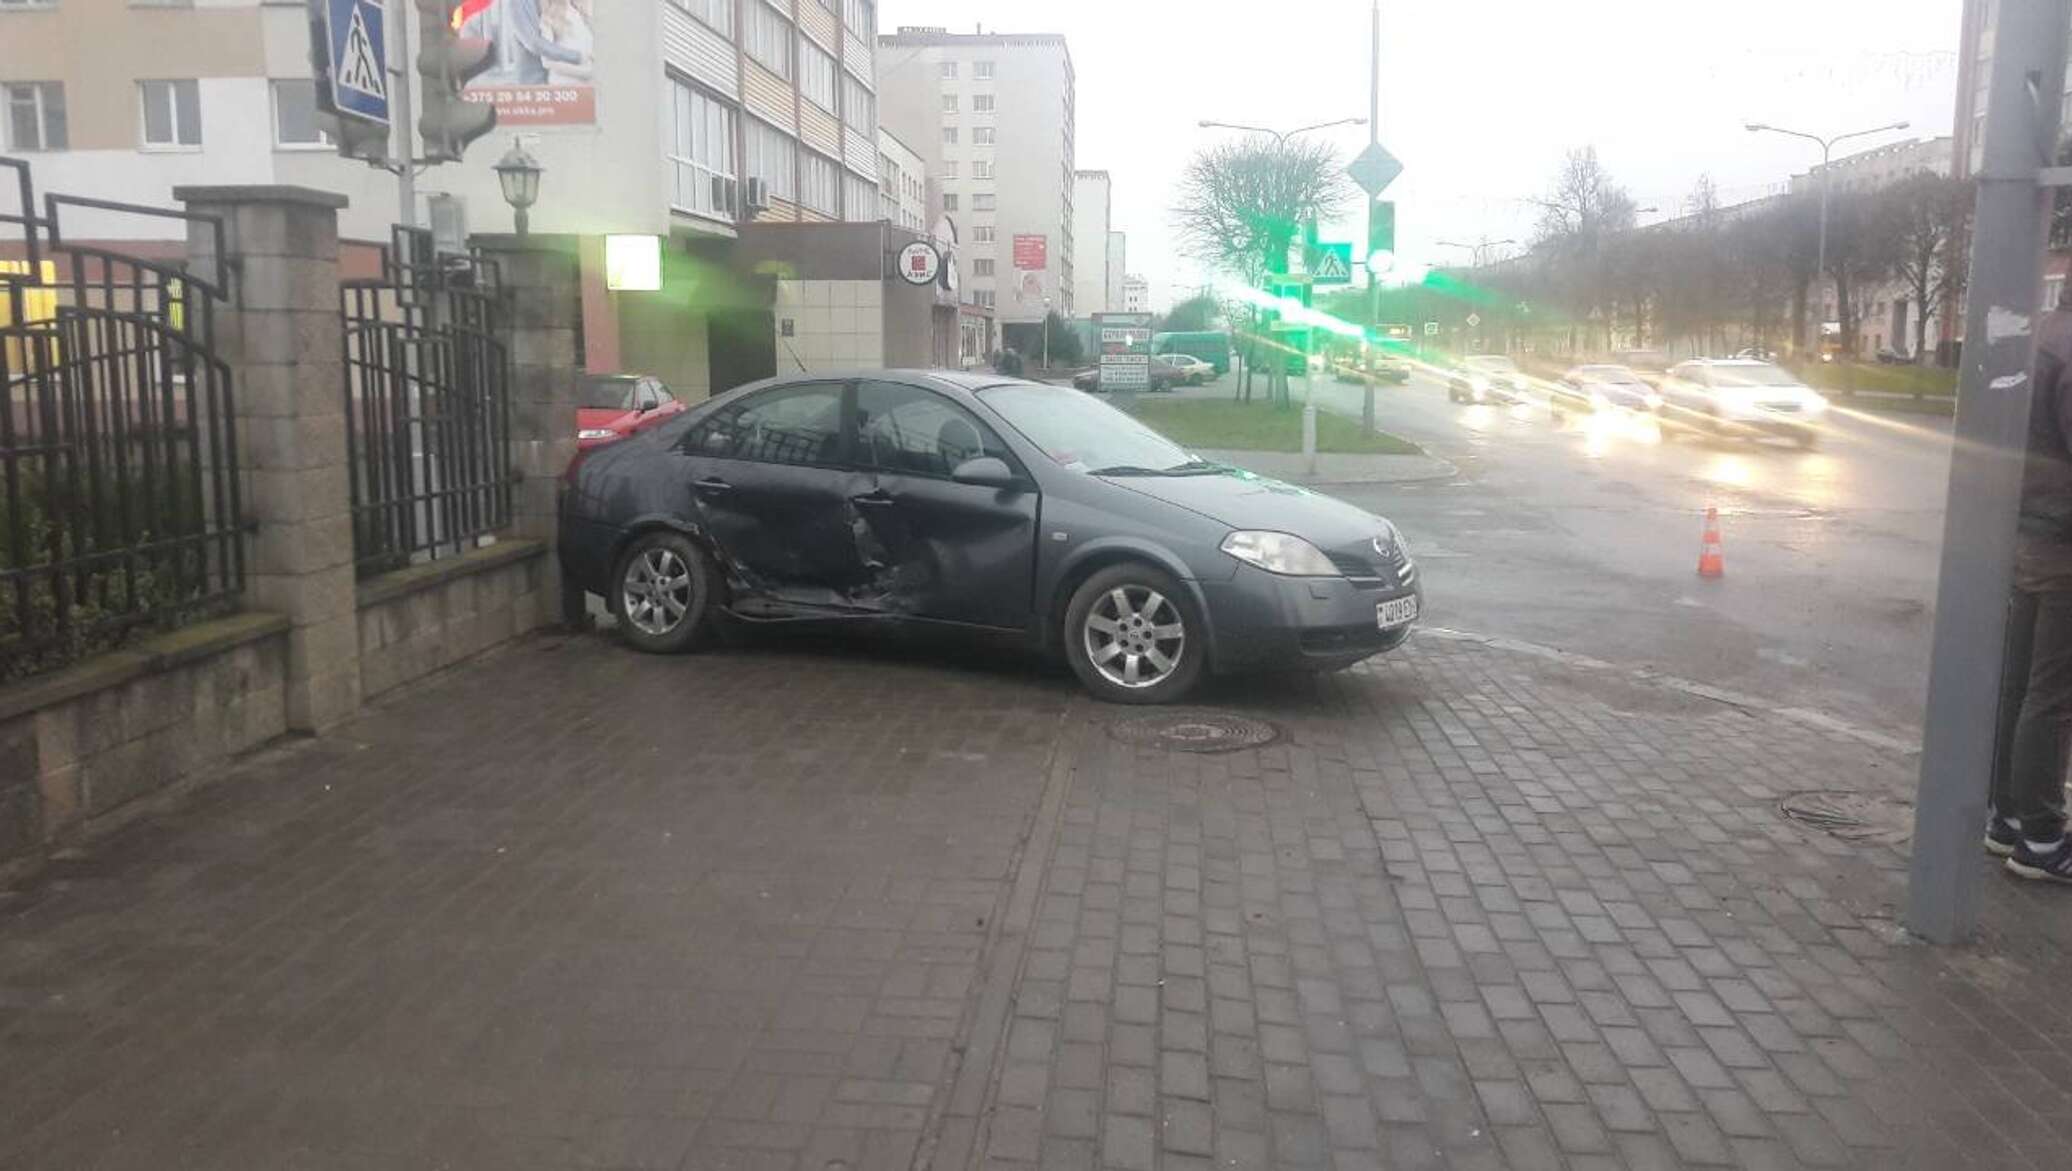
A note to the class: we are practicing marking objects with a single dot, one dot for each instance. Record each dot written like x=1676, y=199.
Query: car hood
x=603, y=418
x=1246, y=500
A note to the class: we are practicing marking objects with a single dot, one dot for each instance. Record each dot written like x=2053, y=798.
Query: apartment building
x=992, y=116
x=707, y=123
x=902, y=183
x=1136, y=294
x=1118, y=266
x=1093, y=198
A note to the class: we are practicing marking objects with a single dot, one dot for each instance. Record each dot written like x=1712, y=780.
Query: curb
x=1647, y=675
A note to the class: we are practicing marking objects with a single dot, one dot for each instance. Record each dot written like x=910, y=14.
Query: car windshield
x=1082, y=433
x=605, y=394
x=1614, y=375
x=1753, y=374
x=1496, y=365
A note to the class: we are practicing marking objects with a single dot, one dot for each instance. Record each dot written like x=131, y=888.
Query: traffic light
x=1381, y=235
x=447, y=61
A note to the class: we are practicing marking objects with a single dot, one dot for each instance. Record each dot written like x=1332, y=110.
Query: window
x=983, y=298
x=949, y=103
x=816, y=75
x=949, y=135
x=859, y=105
x=820, y=185
x=701, y=151
x=982, y=268
x=295, y=114
x=918, y=432
x=861, y=16
x=949, y=71
x=982, y=135
x=769, y=38
x=860, y=199
x=772, y=157
x=982, y=234
x=35, y=116
x=949, y=168
x=792, y=425
x=982, y=203
x=717, y=13
x=949, y=201
x=981, y=169
x=172, y=113
x=982, y=103
x=983, y=70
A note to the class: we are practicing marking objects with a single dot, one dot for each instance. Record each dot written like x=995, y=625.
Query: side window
x=786, y=425
x=644, y=398
x=918, y=432
x=662, y=396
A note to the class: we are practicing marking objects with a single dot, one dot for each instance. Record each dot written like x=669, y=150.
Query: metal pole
x=401, y=71
x=1820, y=266
x=1373, y=282
x=1986, y=468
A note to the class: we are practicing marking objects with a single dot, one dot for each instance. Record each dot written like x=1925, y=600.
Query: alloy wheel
x=657, y=591
x=1135, y=637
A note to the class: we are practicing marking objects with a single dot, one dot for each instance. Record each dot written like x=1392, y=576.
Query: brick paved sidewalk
x=573, y=907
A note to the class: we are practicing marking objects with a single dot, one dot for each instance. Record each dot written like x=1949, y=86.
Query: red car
x=614, y=406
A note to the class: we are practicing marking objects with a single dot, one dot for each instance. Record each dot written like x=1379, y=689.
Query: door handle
x=712, y=484
x=876, y=499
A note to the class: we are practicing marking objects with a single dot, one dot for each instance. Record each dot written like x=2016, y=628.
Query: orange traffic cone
x=1712, y=558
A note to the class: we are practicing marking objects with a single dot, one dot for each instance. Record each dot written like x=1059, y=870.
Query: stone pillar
x=542, y=322
x=283, y=338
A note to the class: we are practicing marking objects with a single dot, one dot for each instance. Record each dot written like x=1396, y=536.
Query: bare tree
x=1581, y=212
x=1243, y=204
x=1925, y=216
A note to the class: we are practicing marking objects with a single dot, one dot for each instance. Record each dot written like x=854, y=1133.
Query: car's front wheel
x=1133, y=636
x=663, y=594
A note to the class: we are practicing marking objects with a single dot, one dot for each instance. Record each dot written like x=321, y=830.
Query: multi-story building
x=1883, y=308
x=1974, y=72
x=708, y=124
x=1136, y=294
x=1118, y=266
x=992, y=117
x=1880, y=166
x=902, y=183
x=1093, y=194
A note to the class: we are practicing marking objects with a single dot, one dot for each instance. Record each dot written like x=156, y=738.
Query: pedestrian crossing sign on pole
x=355, y=33
x=1333, y=265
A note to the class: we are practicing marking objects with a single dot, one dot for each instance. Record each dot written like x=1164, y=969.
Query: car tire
x=664, y=594
x=1140, y=606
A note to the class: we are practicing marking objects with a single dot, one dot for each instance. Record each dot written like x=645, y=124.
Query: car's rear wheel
x=1133, y=636
x=663, y=594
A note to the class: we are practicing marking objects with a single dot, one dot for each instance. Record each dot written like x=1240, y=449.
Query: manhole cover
x=1195, y=731
x=1851, y=816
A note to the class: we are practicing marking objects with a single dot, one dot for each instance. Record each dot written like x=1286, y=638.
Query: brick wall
x=426, y=618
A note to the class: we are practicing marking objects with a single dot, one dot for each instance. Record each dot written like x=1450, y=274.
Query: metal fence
x=119, y=488
x=427, y=405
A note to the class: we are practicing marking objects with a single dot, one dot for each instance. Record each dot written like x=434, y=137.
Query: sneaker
x=2052, y=865
x=2002, y=836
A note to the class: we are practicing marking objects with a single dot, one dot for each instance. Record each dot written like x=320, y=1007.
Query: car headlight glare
x=1282, y=553
x=1816, y=404
x=597, y=433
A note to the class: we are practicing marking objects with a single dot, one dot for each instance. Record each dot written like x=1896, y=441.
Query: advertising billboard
x=1125, y=350
x=542, y=71
x=1032, y=252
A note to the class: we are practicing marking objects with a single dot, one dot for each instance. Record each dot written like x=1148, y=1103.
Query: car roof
x=960, y=381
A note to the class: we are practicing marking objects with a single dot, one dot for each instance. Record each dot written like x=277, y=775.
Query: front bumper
x=1793, y=424
x=1263, y=620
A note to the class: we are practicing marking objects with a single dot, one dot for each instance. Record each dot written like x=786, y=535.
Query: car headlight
x=597, y=433
x=1653, y=400
x=1282, y=553
x=1478, y=383
x=1816, y=405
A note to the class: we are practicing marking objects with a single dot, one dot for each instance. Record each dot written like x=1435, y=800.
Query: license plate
x=1393, y=614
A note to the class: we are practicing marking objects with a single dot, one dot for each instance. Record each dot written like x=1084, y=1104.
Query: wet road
x=1584, y=535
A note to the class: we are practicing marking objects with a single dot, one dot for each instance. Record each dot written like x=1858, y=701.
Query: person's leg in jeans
x=2042, y=737
x=2002, y=831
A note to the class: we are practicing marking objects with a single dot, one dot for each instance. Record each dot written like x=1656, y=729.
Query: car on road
x=1376, y=368
x=1651, y=365
x=1740, y=396
x=1193, y=371
x=1603, y=388
x=1486, y=378
x=975, y=503
x=610, y=407
x=1162, y=378
x=1210, y=345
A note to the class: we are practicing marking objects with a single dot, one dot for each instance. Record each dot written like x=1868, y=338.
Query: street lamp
x=1827, y=149
x=1280, y=137
x=519, y=175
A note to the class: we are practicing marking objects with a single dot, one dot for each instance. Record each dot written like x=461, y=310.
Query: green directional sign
x=1333, y=264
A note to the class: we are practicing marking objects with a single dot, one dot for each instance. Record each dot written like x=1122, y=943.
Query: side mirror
x=986, y=471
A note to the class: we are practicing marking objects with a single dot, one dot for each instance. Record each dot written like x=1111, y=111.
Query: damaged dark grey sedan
x=984, y=503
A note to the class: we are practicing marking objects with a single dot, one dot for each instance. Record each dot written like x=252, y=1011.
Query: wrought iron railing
x=427, y=405
x=119, y=484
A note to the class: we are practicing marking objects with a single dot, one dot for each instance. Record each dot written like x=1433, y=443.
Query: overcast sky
x=1480, y=98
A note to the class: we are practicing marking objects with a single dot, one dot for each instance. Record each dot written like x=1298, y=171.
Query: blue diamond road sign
x=1374, y=170
x=354, y=33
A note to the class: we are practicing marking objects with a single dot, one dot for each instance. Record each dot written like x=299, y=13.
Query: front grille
x=1351, y=566
x=1393, y=569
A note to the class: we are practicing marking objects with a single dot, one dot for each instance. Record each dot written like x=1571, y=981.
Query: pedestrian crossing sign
x=355, y=35
x=1333, y=265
